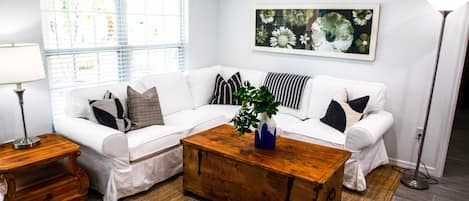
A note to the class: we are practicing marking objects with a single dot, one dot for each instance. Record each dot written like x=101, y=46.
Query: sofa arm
x=104, y=140
x=368, y=130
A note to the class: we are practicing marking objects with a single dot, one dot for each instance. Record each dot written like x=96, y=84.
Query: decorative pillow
x=224, y=90
x=343, y=114
x=144, y=109
x=287, y=88
x=110, y=112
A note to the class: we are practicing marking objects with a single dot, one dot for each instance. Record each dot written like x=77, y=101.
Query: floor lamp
x=20, y=63
x=444, y=7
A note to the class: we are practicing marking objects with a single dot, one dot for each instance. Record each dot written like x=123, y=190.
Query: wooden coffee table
x=221, y=165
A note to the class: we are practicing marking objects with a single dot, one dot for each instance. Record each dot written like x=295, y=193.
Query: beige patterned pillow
x=144, y=109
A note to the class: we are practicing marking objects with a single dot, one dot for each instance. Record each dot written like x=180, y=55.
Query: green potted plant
x=258, y=106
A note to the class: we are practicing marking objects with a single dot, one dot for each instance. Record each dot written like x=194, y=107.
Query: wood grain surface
x=48, y=171
x=307, y=161
x=52, y=147
x=221, y=165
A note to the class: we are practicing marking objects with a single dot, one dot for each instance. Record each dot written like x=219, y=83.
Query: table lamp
x=444, y=7
x=21, y=63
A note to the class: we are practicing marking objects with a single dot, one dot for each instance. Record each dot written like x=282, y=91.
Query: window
x=94, y=42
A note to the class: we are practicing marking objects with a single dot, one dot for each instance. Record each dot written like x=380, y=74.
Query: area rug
x=382, y=184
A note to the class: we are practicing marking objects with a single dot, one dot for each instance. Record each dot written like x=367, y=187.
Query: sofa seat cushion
x=228, y=111
x=314, y=131
x=153, y=139
x=285, y=121
x=195, y=120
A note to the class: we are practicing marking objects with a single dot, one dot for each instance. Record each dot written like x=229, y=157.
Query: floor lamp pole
x=413, y=181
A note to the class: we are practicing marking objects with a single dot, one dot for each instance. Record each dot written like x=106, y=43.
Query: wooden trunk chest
x=220, y=165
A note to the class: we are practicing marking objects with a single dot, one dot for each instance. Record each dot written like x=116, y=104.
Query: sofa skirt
x=117, y=179
x=363, y=162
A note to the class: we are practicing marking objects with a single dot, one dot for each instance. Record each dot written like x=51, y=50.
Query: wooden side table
x=47, y=172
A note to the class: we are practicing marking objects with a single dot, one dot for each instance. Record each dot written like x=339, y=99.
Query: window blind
x=94, y=42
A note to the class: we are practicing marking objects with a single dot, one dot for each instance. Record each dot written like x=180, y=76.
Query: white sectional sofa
x=121, y=164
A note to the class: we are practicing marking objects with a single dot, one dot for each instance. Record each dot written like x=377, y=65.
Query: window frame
x=121, y=48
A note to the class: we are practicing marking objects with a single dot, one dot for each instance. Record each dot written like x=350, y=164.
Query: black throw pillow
x=343, y=114
x=224, y=90
x=110, y=112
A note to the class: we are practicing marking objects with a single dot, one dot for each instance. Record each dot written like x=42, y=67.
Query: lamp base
x=414, y=183
x=26, y=143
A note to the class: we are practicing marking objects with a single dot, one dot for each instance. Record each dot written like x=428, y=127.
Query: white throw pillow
x=173, y=91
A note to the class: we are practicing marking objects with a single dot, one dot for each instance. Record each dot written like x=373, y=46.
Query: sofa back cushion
x=173, y=91
x=76, y=101
x=324, y=88
x=256, y=78
x=201, y=83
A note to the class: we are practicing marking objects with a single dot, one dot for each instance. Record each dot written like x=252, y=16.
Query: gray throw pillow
x=144, y=109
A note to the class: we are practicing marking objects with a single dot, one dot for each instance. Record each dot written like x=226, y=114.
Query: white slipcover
x=77, y=101
x=326, y=87
x=103, y=140
x=120, y=164
x=153, y=139
x=228, y=111
x=201, y=83
x=194, y=120
x=173, y=92
x=256, y=78
x=364, y=140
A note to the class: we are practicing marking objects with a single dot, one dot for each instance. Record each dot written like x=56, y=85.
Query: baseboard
x=410, y=165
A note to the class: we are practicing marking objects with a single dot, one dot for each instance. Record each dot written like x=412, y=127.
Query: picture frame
x=348, y=31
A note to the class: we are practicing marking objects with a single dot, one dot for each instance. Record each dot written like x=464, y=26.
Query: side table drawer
x=66, y=187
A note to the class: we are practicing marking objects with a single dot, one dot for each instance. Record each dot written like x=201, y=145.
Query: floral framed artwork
x=329, y=30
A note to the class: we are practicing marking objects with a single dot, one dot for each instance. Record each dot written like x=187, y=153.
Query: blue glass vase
x=266, y=133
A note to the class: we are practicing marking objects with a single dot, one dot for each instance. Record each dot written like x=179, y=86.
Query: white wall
x=202, y=42
x=447, y=84
x=405, y=57
x=20, y=22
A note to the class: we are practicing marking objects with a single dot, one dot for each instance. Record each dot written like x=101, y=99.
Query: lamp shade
x=446, y=5
x=20, y=63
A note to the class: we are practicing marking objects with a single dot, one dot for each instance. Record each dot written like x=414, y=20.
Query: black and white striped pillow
x=224, y=90
x=287, y=88
x=110, y=112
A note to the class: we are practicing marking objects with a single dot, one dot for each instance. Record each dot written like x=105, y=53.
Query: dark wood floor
x=454, y=185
